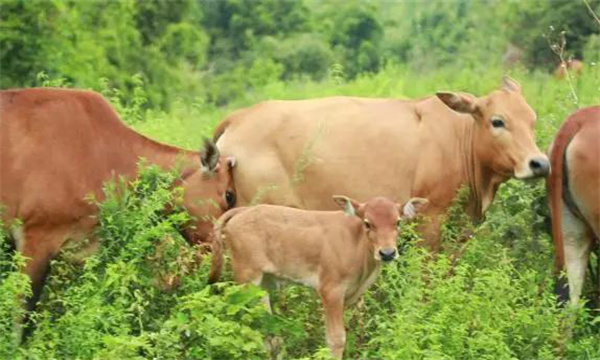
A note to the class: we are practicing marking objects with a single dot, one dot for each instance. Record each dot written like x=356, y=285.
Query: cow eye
x=497, y=122
x=230, y=198
x=368, y=225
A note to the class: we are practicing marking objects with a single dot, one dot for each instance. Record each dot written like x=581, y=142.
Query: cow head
x=381, y=218
x=504, y=131
x=208, y=191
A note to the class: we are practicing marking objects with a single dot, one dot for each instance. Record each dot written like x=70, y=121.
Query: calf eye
x=368, y=224
x=230, y=198
x=497, y=122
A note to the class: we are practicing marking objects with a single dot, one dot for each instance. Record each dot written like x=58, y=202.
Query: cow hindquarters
x=577, y=247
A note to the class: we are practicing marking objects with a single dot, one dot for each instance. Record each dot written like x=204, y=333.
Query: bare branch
x=591, y=11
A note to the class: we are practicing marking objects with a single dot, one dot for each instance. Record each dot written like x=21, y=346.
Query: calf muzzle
x=387, y=254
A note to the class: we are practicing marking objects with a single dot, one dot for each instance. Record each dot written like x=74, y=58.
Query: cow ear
x=231, y=162
x=209, y=158
x=413, y=207
x=510, y=84
x=462, y=103
x=350, y=206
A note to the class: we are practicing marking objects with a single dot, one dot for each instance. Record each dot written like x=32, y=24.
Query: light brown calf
x=339, y=253
x=574, y=193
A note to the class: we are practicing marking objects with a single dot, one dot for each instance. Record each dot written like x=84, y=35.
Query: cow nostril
x=387, y=254
x=534, y=164
x=539, y=166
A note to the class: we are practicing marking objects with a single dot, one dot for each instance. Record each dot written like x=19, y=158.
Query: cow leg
x=38, y=246
x=430, y=231
x=333, y=304
x=248, y=275
x=577, y=246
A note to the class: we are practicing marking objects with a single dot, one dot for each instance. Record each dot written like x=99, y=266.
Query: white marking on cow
x=577, y=246
x=18, y=236
x=311, y=280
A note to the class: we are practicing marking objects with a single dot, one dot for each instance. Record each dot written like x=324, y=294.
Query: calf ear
x=413, y=207
x=209, y=158
x=350, y=206
x=462, y=103
x=510, y=84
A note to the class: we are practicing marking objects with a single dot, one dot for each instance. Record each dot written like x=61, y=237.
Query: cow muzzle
x=536, y=166
x=387, y=254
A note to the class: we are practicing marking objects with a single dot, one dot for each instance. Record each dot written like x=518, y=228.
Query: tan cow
x=575, y=67
x=57, y=146
x=574, y=193
x=299, y=153
x=339, y=253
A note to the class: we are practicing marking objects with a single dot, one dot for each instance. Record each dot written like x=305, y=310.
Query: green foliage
x=354, y=32
x=538, y=23
x=184, y=49
x=14, y=287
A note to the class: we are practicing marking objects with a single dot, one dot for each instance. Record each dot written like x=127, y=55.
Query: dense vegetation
x=217, y=51
x=169, y=67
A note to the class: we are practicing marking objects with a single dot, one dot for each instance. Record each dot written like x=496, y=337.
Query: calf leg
x=577, y=246
x=246, y=275
x=333, y=304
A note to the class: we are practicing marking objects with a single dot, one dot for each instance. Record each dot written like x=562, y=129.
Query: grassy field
x=496, y=302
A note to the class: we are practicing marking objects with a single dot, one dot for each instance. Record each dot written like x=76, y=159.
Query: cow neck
x=166, y=156
x=473, y=171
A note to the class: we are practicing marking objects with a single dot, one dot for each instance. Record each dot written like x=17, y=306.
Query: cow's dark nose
x=539, y=166
x=387, y=254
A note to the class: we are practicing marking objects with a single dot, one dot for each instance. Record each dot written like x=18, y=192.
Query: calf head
x=504, y=140
x=381, y=218
x=208, y=191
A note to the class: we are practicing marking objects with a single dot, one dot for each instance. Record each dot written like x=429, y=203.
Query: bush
x=123, y=302
x=304, y=54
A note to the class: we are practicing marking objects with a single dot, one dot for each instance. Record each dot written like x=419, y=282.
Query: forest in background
x=216, y=51
x=174, y=69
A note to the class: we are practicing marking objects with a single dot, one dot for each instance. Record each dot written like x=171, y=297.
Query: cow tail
x=218, y=247
x=555, y=183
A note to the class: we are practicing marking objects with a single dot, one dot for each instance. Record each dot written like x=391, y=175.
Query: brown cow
x=339, y=253
x=574, y=192
x=573, y=66
x=58, y=145
x=298, y=153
